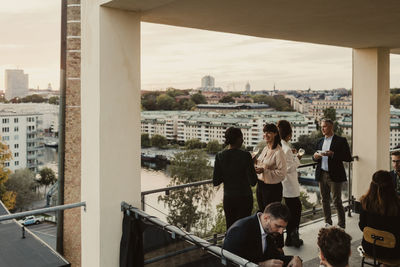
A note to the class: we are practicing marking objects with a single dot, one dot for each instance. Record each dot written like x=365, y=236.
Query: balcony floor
x=309, y=251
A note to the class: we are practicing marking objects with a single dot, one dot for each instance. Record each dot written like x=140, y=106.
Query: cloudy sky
x=179, y=57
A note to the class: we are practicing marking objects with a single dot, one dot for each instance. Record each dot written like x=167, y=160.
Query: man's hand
x=295, y=262
x=271, y=263
x=328, y=153
x=317, y=155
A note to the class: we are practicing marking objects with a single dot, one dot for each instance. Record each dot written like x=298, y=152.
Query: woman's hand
x=259, y=170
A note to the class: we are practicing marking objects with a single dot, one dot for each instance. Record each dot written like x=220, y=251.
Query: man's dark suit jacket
x=243, y=238
x=341, y=152
x=394, y=177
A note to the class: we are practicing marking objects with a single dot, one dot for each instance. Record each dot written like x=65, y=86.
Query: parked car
x=30, y=220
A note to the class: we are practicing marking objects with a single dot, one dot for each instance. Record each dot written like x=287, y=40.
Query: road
x=45, y=231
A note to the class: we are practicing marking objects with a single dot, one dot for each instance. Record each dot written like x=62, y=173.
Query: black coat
x=341, y=152
x=243, y=238
x=395, y=177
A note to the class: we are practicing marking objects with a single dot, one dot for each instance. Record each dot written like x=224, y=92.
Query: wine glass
x=301, y=152
x=255, y=152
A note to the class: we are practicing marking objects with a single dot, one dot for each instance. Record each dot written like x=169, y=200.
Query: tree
x=165, y=102
x=213, y=147
x=278, y=102
x=198, y=98
x=33, y=99
x=149, y=101
x=193, y=144
x=189, y=207
x=8, y=197
x=23, y=183
x=47, y=177
x=307, y=142
x=227, y=99
x=145, y=140
x=54, y=100
x=158, y=141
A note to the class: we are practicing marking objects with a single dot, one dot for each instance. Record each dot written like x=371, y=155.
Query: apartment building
x=19, y=133
x=181, y=126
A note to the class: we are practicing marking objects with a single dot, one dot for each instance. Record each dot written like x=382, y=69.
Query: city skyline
x=179, y=57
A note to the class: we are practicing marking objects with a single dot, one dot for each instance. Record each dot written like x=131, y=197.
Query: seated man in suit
x=395, y=173
x=254, y=237
x=334, y=247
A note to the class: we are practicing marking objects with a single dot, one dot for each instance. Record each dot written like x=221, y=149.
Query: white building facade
x=208, y=126
x=19, y=133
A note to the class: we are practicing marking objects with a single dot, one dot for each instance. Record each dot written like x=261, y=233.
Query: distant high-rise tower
x=207, y=81
x=16, y=84
x=247, y=87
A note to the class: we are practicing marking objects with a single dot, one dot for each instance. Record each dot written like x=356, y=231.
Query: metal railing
x=215, y=250
x=314, y=210
x=40, y=211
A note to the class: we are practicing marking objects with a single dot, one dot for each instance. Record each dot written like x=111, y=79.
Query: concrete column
x=110, y=127
x=371, y=115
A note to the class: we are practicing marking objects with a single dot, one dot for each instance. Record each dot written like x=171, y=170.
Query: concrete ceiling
x=346, y=23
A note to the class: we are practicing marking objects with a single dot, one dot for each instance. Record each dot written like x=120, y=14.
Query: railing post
x=142, y=201
x=349, y=191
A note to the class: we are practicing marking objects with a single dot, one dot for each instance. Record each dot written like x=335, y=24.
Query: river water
x=154, y=177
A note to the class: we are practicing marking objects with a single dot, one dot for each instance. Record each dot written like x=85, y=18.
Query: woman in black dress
x=381, y=210
x=234, y=167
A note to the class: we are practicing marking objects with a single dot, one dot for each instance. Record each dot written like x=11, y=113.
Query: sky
x=179, y=57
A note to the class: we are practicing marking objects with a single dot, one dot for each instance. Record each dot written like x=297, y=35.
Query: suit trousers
x=294, y=205
x=326, y=188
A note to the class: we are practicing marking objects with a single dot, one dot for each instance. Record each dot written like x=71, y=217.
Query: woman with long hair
x=291, y=187
x=381, y=210
x=271, y=168
x=234, y=168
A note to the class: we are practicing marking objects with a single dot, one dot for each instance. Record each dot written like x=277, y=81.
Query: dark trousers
x=237, y=207
x=268, y=193
x=326, y=187
x=294, y=205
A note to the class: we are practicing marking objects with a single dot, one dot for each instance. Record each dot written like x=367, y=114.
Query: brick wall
x=72, y=175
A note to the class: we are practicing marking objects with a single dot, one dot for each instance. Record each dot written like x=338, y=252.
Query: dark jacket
x=395, y=178
x=341, y=152
x=386, y=223
x=235, y=168
x=243, y=238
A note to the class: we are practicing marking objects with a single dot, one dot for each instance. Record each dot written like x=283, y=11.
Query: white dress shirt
x=326, y=146
x=263, y=233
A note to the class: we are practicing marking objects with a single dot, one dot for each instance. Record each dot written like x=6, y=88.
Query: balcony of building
x=110, y=50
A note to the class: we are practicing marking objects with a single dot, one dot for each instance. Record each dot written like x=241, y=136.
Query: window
x=16, y=129
x=15, y=120
x=16, y=137
x=16, y=155
x=5, y=129
x=16, y=145
x=6, y=164
x=16, y=163
x=6, y=120
x=5, y=138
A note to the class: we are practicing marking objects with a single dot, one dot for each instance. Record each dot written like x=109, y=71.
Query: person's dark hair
x=271, y=128
x=335, y=245
x=327, y=120
x=285, y=129
x=381, y=197
x=396, y=153
x=278, y=211
x=232, y=135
